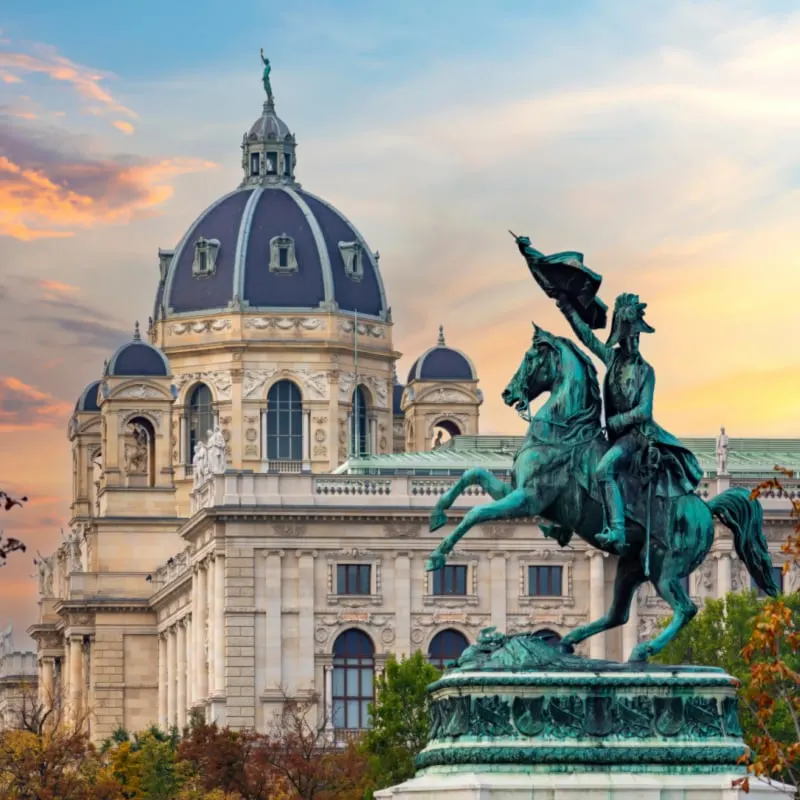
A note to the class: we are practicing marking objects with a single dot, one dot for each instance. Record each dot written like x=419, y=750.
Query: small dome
x=269, y=125
x=137, y=358
x=442, y=363
x=88, y=398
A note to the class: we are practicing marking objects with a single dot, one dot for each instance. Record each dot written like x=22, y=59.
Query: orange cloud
x=125, y=127
x=84, y=80
x=57, y=286
x=23, y=407
x=7, y=77
x=33, y=206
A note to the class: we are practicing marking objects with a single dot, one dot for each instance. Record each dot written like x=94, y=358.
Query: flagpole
x=357, y=432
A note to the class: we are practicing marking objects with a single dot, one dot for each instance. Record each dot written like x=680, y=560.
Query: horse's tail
x=736, y=510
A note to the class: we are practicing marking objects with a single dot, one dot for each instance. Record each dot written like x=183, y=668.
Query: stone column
x=46, y=686
x=163, y=677
x=305, y=627
x=402, y=605
x=724, y=582
x=75, y=676
x=306, y=465
x=328, y=697
x=597, y=600
x=193, y=662
x=201, y=633
x=172, y=700
x=180, y=689
x=373, y=436
x=219, y=624
x=498, y=590
x=212, y=618
x=274, y=640
x=630, y=632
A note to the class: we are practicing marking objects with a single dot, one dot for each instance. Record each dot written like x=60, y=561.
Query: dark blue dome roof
x=442, y=363
x=397, y=396
x=241, y=226
x=88, y=398
x=137, y=358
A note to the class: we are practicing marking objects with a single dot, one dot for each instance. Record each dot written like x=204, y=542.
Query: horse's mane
x=592, y=382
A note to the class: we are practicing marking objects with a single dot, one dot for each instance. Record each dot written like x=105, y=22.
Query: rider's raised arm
x=584, y=332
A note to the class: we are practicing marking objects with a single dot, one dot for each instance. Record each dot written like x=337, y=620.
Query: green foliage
x=718, y=635
x=399, y=719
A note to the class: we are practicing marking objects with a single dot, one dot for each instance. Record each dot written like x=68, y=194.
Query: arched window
x=353, y=679
x=359, y=426
x=200, y=419
x=284, y=422
x=548, y=636
x=139, y=452
x=445, y=647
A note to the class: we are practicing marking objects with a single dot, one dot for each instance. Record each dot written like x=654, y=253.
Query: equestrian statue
x=626, y=488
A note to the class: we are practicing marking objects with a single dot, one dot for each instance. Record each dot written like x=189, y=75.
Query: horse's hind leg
x=477, y=476
x=683, y=610
x=515, y=504
x=629, y=576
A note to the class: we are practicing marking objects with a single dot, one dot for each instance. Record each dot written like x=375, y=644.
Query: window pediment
x=352, y=256
x=282, y=256
x=205, y=257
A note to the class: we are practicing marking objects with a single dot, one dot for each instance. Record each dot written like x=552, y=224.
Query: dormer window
x=255, y=164
x=353, y=262
x=205, y=257
x=272, y=162
x=282, y=256
x=287, y=165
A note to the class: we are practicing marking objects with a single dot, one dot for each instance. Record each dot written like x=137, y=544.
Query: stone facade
x=18, y=684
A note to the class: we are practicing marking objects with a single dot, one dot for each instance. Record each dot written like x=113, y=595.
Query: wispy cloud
x=123, y=126
x=23, y=407
x=87, y=82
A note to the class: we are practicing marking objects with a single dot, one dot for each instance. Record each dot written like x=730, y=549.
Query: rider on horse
x=638, y=444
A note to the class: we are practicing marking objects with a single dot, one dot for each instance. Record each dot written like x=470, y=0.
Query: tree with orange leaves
x=774, y=686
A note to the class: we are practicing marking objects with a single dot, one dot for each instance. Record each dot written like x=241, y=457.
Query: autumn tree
x=9, y=544
x=399, y=719
x=305, y=760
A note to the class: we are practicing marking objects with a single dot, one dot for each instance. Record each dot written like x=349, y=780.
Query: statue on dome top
x=265, y=76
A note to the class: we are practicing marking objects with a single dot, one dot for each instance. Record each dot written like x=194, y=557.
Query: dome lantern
x=268, y=148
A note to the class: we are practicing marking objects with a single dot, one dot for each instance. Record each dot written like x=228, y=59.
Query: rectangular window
x=272, y=163
x=777, y=573
x=450, y=580
x=283, y=256
x=202, y=259
x=353, y=579
x=254, y=163
x=287, y=165
x=544, y=581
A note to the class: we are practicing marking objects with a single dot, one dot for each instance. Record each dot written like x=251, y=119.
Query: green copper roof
x=747, y=458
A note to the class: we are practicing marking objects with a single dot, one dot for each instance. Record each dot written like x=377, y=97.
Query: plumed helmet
x=628, y=318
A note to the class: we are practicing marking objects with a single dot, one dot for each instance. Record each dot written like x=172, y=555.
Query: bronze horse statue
x=553, y=477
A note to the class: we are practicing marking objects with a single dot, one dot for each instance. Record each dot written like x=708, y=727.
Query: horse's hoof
x=436, y=561
x=438, y=520
x=639, y=654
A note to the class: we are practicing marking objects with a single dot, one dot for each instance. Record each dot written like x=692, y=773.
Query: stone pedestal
x=585, y=786
x=517, y=719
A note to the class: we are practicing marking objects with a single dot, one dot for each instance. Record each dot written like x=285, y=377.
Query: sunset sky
x=661, y=139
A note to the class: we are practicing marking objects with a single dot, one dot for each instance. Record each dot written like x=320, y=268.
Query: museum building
x=251, y=488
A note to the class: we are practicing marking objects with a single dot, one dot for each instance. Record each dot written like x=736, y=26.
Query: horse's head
x=536, y=373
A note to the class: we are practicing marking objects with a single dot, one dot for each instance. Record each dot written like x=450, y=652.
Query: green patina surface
x=748, y=459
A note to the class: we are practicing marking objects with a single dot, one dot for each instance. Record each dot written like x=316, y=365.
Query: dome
x=270, y=245
x=442, y=363
x=137, y=358
x=88, y=398
x=397, y=393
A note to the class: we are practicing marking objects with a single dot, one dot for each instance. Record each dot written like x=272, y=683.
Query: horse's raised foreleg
x=683, y=610
x=515, y=504
x=478, y=476
x=629, y=576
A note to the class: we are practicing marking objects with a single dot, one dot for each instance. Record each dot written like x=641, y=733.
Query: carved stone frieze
x=200, y=326
x=147, y=413
x=364, y=329
x=401, y=530
x=219, y=380
x=498, y=531
x=254, y=380
x=139, y=392
x=283, y=323
x=441, y=395
x=346, y=384
x=290, y=529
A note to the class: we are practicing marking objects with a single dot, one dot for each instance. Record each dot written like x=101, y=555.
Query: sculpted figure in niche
x=200, y=463
x=44, y=567
x=216, y=451
x=135, y=454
